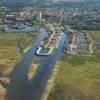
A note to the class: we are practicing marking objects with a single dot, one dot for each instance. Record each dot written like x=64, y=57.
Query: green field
x=95, y=34
x=8, y=51
x=78, y=78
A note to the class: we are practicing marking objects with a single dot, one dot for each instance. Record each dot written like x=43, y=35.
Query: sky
x=70, y=0
x=75, y=0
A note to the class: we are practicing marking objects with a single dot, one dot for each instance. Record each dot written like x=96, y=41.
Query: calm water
x=23, y=89
x=43, y=74
x=26, y=29
x=18, y=76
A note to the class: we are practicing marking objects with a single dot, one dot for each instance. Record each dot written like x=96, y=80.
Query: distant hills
x=41, y=2
x=13, y=2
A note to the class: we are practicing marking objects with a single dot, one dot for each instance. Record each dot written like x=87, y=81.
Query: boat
x=48, y=45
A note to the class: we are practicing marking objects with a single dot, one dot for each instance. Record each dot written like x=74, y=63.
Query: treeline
x=84, y=23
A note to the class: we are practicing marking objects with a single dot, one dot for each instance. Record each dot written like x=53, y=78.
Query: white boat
x=47, y=50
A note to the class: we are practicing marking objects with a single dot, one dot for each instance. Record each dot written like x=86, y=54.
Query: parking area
x=77, y=42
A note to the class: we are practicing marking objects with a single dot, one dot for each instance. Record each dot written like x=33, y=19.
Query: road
x=20, y=87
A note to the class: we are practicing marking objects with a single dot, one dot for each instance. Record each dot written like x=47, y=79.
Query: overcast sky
x=75, y=0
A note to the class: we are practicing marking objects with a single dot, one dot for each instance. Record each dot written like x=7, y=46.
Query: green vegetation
x=2, y=13
x=8, y=51
x=84, y=21
x=95, y=34
x=78, y=78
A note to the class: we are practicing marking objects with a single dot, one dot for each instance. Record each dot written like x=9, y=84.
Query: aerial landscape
x=49, y=49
